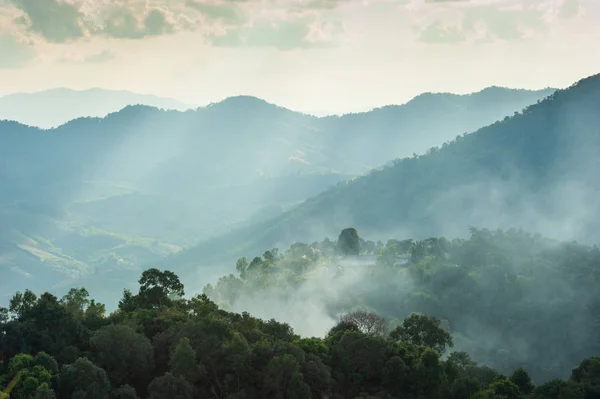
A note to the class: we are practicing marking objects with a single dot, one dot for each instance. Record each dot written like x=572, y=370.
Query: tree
x=588, y=375
x=159, y=288
x=201, y=305
x=48, y=362
x=522, y=380
x=127, y=356
x=505, y=389
x=124, y=392
x=284, y=380
x=20, y=303
x=462, y=360
x=94, y=315
x=339, y=330
x=348, y=242
x=76, y=301
x=240, y=266
x=28, y=376
x=183, y=362
x=422, y=330
x=84, y=379
x=430, y=373
x=368, y=323
x=43, y=391
x=3, y=315
x=128, y=302
x=170, y=387
x=557, y=389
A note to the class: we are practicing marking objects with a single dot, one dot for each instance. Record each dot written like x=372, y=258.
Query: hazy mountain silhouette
x=107, y=195
x=51, y=108
x=536, y=170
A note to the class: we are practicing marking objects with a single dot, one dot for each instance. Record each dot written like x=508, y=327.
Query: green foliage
x=588, y=375
x=83, y=378
x=76, y=301
x=523, y=381
x=30, y=377
x=170, y=387
x=367, y=322
x=191, y=348
x=494, y=285
x=21, y=303
x=159, y=288
x=135, y=359
x=183, y=362
x=124, y=392
x=4, y=317
x=558, y=389
x=422, y=330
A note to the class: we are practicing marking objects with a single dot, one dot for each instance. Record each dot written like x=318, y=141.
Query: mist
x=98, y=200
x=505, y=296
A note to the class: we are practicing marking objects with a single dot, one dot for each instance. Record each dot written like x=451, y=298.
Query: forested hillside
x=509, y=298
x=536, y=170
x=100, y=197
x=160, y=346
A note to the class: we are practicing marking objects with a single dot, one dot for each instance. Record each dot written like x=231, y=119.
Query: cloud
x=95, y=58
x=453, y=21
x=56, y=21
x=569, y=9
x=60, y=21
x=122, y=23
x=436, y=32
x=100, y=58
x=228, y=12
x=14, y=53
x=282, y=35
x=279, y=24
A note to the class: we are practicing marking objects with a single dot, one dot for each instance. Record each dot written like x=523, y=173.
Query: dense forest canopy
x=159, y=345
x=510, y=299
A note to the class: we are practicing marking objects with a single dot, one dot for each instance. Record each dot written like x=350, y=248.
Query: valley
x=96, y=199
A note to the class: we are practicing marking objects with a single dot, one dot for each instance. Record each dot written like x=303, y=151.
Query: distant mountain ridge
x=54, y=107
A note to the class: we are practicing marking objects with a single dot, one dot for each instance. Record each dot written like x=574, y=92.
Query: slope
x=535, y=170
x=98, y=187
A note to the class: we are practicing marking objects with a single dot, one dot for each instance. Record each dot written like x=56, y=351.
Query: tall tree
x=348, y=242
x=158, y=288
x=183, y=362
x=422, y=330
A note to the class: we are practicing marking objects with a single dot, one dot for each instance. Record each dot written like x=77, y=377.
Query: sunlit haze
x=307, y=199
x=315, y=56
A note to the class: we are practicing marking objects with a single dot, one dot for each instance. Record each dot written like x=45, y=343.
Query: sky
x=316, y=56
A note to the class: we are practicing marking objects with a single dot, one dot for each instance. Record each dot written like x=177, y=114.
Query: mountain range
x=99, y=198
x=537, y=170
x=54, y=107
